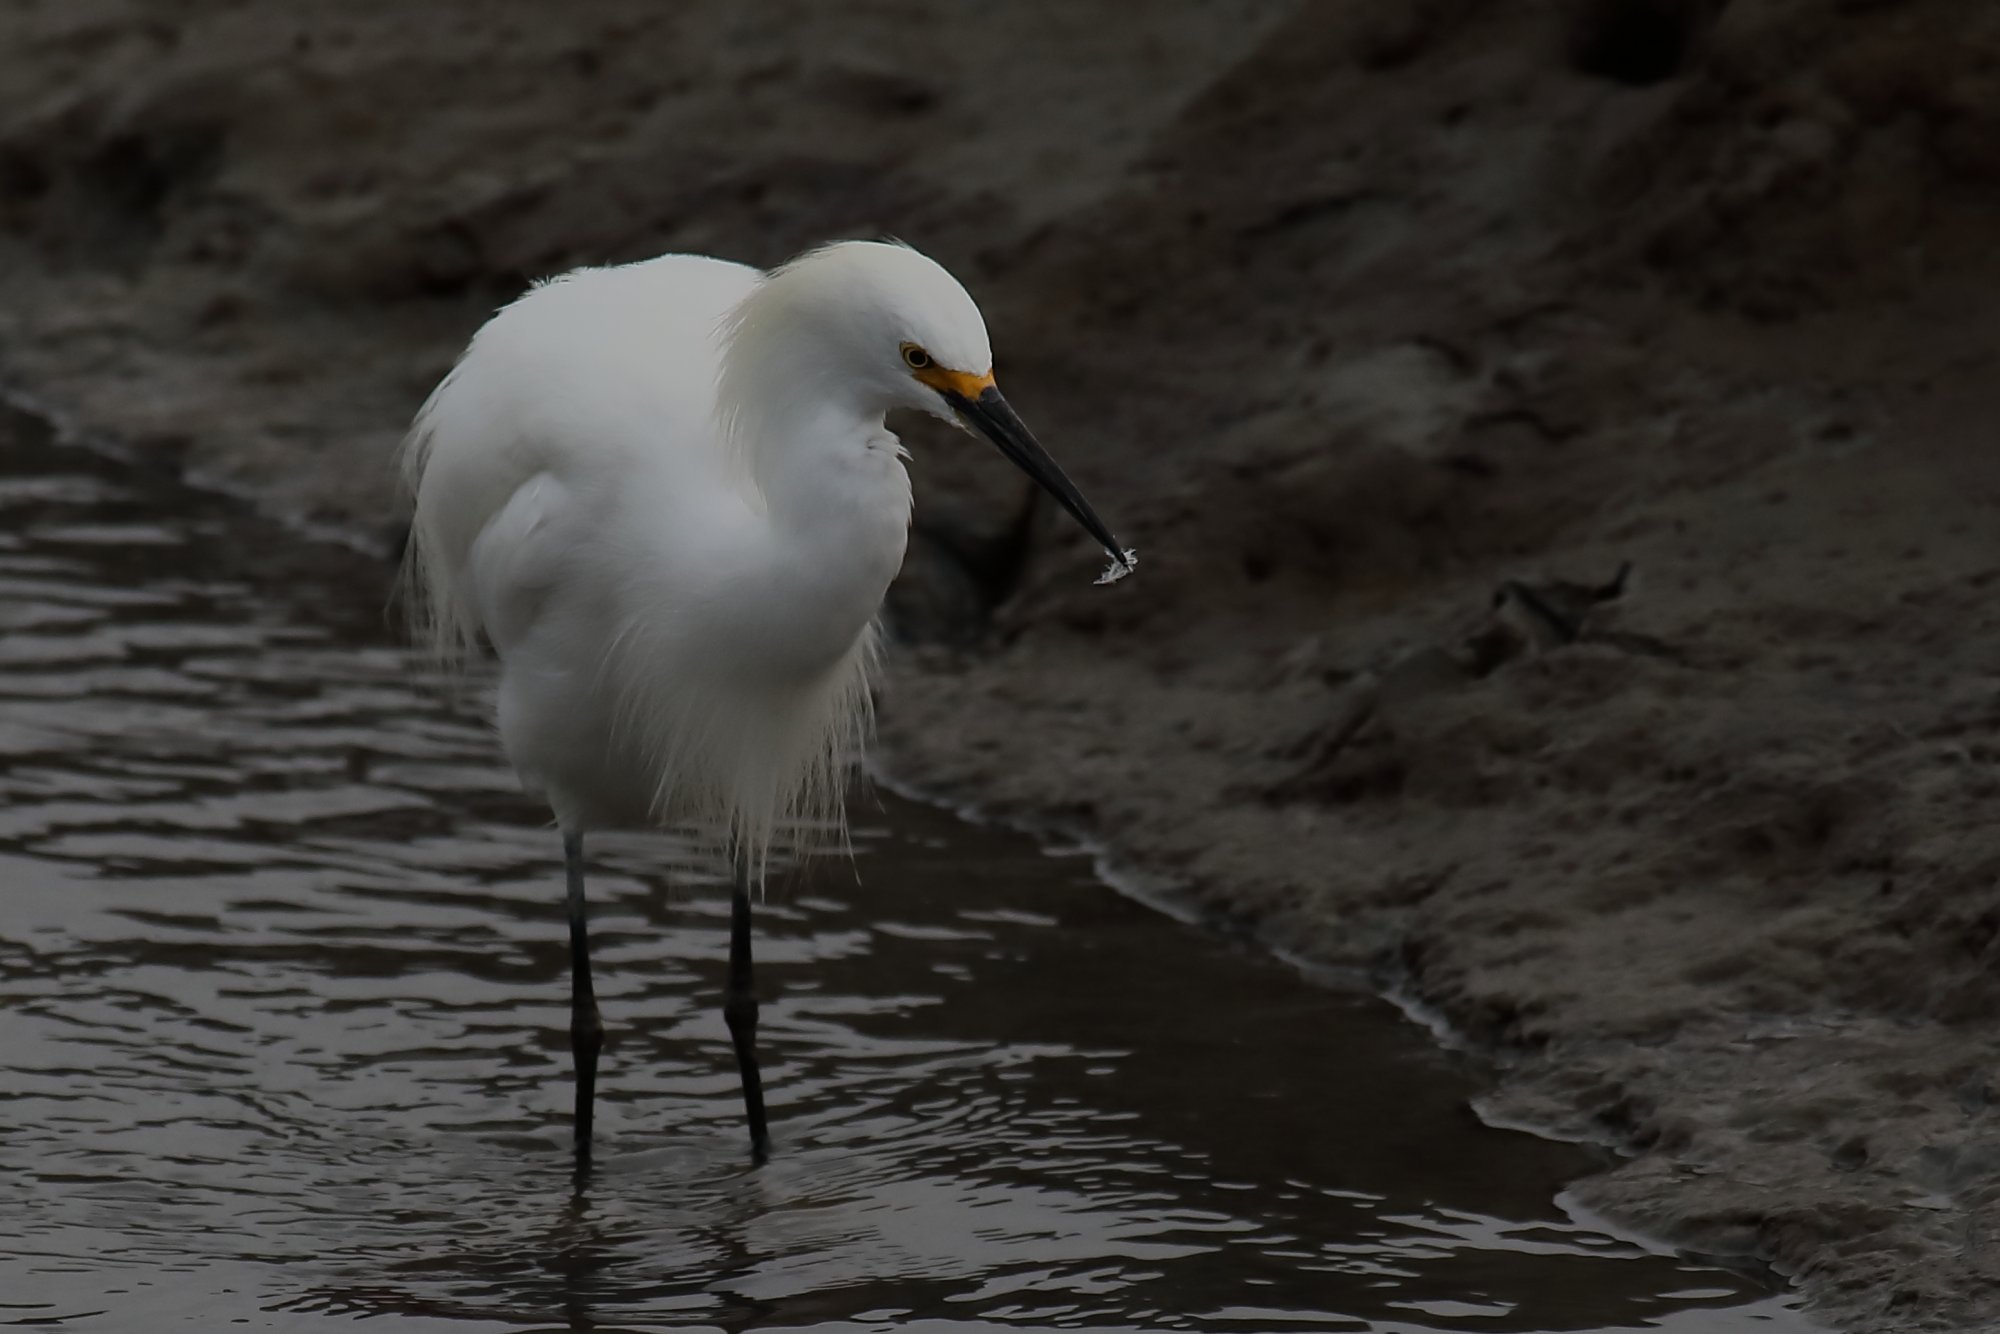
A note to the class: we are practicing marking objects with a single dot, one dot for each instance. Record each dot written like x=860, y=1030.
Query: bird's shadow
x=591, y=1264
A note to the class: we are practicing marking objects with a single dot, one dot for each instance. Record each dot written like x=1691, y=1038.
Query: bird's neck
x=805, y=453
x=803, y=429
x=828, y=475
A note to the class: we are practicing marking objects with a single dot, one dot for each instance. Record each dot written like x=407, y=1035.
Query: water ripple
x=283, y=1008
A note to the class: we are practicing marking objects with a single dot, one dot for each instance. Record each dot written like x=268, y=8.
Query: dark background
x=1345, y=314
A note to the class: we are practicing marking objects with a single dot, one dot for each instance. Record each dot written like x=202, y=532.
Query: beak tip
x=997, y=421
x=1122, y=563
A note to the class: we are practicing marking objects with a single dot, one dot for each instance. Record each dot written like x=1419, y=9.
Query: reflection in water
x=283, y=1012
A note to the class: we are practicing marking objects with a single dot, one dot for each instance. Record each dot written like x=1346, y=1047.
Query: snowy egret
x=665, y=494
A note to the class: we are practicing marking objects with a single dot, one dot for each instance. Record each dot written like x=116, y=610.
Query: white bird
x=665, y=494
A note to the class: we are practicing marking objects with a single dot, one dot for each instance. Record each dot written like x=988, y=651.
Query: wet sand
x=1346, y=319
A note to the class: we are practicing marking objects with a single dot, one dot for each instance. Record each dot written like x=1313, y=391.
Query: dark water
x=283, y=1030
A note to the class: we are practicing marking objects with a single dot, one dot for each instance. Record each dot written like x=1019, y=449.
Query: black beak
x=998, y=422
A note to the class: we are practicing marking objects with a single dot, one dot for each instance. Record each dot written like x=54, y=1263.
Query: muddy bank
x=1345, y=321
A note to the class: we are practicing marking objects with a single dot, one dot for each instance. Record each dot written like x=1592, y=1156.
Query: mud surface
x=1346, y=315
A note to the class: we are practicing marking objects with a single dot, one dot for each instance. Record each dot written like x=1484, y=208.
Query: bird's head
x=911, y=337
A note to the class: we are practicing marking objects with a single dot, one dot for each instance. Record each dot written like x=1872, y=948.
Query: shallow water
x=283, y=1030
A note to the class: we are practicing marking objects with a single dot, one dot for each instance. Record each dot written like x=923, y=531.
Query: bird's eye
x=916, y=358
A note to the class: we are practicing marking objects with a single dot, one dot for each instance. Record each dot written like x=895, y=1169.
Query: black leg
x=739, y=1009
x=586, y=1028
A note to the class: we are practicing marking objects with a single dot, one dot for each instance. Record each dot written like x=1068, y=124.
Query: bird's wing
x=519, y=558
x=585, y=388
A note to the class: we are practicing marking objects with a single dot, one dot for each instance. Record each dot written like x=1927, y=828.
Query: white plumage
x=665, y=493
